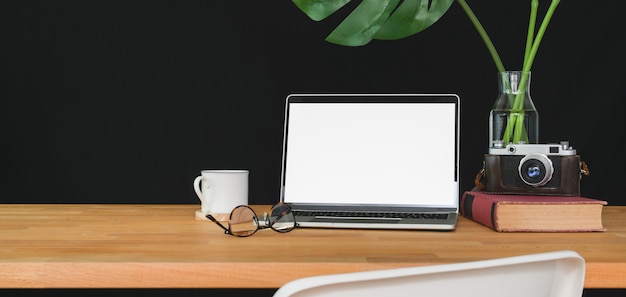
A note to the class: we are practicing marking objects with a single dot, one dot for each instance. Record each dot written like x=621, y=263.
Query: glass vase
x=513, y=118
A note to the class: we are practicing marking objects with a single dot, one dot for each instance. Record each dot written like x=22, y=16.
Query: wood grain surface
x=164, y=246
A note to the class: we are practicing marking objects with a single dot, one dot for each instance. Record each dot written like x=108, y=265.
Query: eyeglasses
x=244, y=222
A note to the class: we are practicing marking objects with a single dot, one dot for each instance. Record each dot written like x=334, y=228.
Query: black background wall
x=126, y=101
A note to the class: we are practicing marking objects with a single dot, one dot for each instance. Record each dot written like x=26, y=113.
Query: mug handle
x=196, y=188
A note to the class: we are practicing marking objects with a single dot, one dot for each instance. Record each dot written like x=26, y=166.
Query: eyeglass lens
x=243, y=221
x=281, y=218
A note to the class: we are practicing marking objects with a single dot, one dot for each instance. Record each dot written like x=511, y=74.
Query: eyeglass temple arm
x=210, y=217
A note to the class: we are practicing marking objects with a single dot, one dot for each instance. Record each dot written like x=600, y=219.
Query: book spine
x=479, y=210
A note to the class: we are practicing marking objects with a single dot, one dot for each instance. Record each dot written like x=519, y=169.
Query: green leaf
x=411, y=17
x=366, y=19
x=318, y=10
x=376, y=19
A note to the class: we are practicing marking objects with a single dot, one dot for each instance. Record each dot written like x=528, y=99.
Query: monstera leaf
x=376, y=19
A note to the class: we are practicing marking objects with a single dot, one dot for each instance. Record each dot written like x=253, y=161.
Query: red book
x=522, y=213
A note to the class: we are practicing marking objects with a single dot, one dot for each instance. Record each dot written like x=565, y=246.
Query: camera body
x=533, y=169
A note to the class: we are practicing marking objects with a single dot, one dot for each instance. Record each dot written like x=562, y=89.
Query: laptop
x=373, y=161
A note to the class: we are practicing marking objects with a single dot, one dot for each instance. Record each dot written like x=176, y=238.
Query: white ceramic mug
x=220, y=191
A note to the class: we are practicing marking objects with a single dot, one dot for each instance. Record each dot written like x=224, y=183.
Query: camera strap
x=480, y=179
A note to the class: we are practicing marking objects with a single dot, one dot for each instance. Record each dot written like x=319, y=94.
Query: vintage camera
x=533, y=169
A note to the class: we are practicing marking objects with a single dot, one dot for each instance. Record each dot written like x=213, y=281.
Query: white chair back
x=552, y=274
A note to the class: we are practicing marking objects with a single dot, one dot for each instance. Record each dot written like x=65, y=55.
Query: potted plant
x=513, y=118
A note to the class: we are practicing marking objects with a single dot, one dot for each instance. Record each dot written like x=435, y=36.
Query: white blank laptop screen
x=371, y=153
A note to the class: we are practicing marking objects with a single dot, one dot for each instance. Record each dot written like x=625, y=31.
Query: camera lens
x=535, y=169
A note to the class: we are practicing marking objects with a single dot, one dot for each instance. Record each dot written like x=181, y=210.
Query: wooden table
x=164, y=246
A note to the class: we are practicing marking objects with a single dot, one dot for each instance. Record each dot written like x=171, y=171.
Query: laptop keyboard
x=350, y=214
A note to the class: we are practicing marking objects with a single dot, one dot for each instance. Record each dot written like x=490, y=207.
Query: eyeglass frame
x=267, y=225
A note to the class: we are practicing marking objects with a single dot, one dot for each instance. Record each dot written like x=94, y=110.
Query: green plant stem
x=518, y=106
x=483, y=35
x=534, y=5
x=516, y=121
x=496, y=58
x=542, y=30
x=515, y=125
